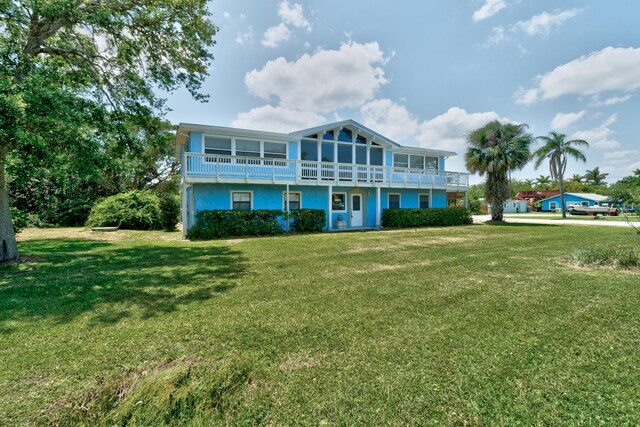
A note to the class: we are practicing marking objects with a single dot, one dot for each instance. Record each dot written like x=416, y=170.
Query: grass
x=531, y=215
x=606, y=256
x=475, y=325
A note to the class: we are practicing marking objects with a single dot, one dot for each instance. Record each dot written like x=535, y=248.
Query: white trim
x=554, y=207
x=362, y=209
x=233, y=144
x=330, y=208
x=240, y=191
x=299, y=193
x=428, y=199
x=378, y=209
x=399, y=199
x=345, y=202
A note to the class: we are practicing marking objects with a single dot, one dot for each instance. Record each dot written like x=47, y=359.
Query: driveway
x=483, y=218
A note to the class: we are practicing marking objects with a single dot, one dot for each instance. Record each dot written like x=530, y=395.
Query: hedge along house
x=344, y=168
x=572, y=199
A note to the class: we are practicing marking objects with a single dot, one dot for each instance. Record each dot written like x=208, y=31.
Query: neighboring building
x=572, y=199
x=515, y=206
x=343, y=168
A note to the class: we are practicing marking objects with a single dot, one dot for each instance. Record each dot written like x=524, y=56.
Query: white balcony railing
x=221, y=168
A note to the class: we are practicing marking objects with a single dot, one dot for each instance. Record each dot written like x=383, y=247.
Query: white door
x=356, y=210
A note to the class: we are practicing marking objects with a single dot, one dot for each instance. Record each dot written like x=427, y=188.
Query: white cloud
x=293, y=15
x=324, y=81
x=244, y=38
x=543, y=23
x=564, y=120
x=599, y=137
x=609, y=69
x=448, y=131
x=390, y=119
x=226, y=15
x=488, y=9
x=595, y=100
x=621, y=156
x=276, y=35
x=277, y=119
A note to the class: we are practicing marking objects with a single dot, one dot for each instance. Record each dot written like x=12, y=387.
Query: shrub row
x=405, y=218
x=218, y=223
x=136, y=210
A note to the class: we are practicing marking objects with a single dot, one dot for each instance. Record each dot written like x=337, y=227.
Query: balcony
x=211, y=168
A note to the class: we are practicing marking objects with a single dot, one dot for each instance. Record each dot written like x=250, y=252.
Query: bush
x=19, y=218
x=226, y=223
x=169, y=211
x=135, y=210
x=306, y=220
x=405, y=218
x=606, y=256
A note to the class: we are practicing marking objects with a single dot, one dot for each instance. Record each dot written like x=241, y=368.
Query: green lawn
x=476, y=325
x=533, y=215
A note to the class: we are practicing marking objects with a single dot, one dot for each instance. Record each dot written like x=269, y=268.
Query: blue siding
x=568, y=199
x=441, y=163
x=195, y=142
x=389, y=159
x=293, y=150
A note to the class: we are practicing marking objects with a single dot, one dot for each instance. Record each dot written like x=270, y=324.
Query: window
x=241, y=200
x=327, y=152
x=344, y=135
x=361, y=140
x=416, y=162
x=431, y=163
x=584, y=203
x=345, y=154
x=328, y=135
x=423, y=201
x=294, y=201
x=247, y=148
x=309, y=150
x=216, y=145
x=553, y=206
x=400, y=160
x=394, y=201
x=275, y=150
x=375, y=156
x=361, y=155
x=338, y=201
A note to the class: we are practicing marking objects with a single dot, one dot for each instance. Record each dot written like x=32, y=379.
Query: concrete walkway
x=595, y=222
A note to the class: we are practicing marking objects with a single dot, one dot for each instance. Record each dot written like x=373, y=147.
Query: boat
x=594, y=210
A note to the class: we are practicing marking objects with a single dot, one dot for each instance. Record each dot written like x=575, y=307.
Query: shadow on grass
x=74, y=277
x=517, y=224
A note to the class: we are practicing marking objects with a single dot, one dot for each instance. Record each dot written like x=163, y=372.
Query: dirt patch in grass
x=300, y=361
x=407, y=243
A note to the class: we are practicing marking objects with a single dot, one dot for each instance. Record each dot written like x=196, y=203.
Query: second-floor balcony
x=212, y=168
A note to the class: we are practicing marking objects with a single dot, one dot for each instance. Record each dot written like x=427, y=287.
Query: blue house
x=572, y=199
x=344, y=168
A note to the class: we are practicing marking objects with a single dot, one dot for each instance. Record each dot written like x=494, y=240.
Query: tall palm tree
x=496, y=149
x=595, y=177
x=556, y=149
x=576, y=177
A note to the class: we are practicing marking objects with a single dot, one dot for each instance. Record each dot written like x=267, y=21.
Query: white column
x=378, y=220
x=183, y=209
x=192, y=207
x=466, y=199
x=330, y=209
x=287, y=206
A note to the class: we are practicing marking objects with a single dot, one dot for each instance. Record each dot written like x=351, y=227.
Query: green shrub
x=19, y=218
x=405, y=218
x=306, y=220
x=169, y=211
x=606, y=256
x=217, y=223
x=135, y=210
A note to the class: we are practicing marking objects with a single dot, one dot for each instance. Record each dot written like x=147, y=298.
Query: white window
x=339, y=201
x=394, y=201
x=247, y=148
x=241, y=200
x=553, y=206
x=217, y=145
x=275, y=150
x=431, y=163
x=400, y=160
x=423, y=201
x=416, y=162
x=295, y=201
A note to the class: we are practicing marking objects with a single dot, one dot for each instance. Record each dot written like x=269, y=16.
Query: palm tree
x=556, y=150
x=496, y=149
x=543, y=182
x=576, y=178
x=530, y=183
x=595, y=177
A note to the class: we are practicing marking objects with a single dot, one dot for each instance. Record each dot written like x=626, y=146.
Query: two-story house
x=344, y=168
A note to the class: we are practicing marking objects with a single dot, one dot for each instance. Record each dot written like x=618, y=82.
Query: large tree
x=555, y=149
x=595, y=177
x=496, y=149
x=103, y=56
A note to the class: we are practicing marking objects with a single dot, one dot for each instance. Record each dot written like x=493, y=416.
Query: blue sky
x=425, y=73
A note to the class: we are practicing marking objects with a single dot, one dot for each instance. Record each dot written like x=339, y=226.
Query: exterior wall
x=568, y=199
x=195, y=142
x=293, y=151
x=515, y=206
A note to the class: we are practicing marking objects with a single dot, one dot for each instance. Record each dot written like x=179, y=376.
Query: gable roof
x=587, y=196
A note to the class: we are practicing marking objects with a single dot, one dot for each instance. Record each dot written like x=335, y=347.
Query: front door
x=356, y=210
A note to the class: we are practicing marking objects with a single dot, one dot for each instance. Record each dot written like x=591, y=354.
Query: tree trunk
x=561, y=182
x=496, y=211
x=8, y=245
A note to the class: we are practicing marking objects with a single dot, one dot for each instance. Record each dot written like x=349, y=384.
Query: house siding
x=568, y=199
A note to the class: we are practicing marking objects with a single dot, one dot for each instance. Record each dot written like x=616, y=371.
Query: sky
x=425, y=73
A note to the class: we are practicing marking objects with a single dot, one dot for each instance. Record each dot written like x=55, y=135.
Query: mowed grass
x=634, y=218
x=475, y=325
